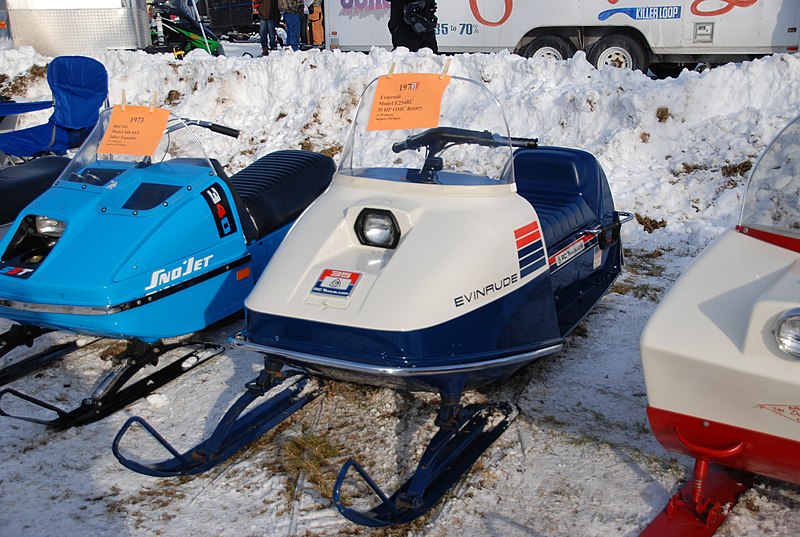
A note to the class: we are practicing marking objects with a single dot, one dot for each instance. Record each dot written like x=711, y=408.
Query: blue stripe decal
x=527, y=250
x=531, y=258
x=532, y=267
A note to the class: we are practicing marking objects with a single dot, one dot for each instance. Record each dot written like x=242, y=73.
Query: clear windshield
x=93, y=167
x=773, y=192
x=429, y=128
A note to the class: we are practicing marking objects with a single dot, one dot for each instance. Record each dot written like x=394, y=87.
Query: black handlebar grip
x=222, y=129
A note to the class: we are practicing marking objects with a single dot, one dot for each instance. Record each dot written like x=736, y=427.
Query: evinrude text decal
x=187, y=266
x=221, y=209
x=486, y=290
x=530, y=249
x=336, y=283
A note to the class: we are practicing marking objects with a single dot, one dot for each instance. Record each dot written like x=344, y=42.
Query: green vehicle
x=176, y=30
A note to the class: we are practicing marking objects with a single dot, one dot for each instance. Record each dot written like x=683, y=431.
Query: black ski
x=449, y=455
x=111, y=395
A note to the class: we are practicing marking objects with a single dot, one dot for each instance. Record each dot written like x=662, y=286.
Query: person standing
x=412, y=24
x=291, y=11
x=269, y=18
x=316, y=30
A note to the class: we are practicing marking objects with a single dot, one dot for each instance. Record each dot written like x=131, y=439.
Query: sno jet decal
x=530, y=249
x=19, y=272
x=220, y=209
x=187, y=266
x=336, y=283
x=643, y=13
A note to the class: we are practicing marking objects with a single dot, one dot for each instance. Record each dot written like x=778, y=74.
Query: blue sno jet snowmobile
x=440, y=259
x=143, y=247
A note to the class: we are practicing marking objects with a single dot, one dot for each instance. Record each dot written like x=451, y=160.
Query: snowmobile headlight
x=787, y=332
x=377, y=227
x=50, y=226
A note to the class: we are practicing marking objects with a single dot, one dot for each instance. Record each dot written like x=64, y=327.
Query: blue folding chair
x=80, y=87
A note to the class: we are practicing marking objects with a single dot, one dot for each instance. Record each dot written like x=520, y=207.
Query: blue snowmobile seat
x=21, y=184
x=562, y=186
x=276, y=188
x=79, y=86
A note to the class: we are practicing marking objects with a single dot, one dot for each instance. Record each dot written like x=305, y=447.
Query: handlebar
x=439, y=137
x=222, y=129
x=214, y=127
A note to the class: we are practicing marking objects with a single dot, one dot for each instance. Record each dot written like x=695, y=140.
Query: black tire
x=670, y=70
x=549, y=46
x=618, y=50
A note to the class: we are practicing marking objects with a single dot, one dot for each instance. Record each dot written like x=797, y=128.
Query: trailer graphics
x=663, y=36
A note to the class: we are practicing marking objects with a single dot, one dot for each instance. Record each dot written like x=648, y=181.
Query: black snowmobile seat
x=21, y=184
x=561, y=185
x=276, y=188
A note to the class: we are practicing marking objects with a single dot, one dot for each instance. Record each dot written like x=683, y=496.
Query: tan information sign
x=407, y=101
x=134, y=130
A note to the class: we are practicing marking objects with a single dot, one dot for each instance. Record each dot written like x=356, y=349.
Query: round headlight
x=377, y=227
x=787, y=332
x=50, y=226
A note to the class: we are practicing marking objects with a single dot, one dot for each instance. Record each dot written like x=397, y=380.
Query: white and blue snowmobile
x=142, y=244
x=440, y=259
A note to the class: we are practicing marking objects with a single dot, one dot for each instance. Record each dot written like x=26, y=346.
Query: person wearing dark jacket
x=269, y=18
x=412, y=24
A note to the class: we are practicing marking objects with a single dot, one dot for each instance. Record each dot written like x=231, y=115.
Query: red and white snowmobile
x=721, y=353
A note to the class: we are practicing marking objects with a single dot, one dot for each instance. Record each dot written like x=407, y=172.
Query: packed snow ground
x=579, y=460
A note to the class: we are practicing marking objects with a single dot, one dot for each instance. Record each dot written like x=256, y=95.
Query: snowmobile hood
x=456, y=252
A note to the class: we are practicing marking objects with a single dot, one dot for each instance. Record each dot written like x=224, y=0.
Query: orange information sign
x=407, y=101
x=134, y=130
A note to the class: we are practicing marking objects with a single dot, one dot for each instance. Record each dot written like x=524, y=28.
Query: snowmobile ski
x=701, y=505
x=233, y=431
x=19, y=335
x=462, y=438
x=111, y=394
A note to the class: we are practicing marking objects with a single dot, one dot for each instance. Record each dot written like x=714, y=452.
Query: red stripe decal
x=533, y=226
x=527, y=239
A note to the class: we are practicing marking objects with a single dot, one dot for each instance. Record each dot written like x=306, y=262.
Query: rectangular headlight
x=50, y=226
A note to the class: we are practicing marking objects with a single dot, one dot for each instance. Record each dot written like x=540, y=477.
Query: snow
x=579, y=459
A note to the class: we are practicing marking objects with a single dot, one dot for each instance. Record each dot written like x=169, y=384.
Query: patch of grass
x=173, y=97
x=638, y=290
x=644, y=137
x=740, y=169
x=19, y=84
x=650, y=224
x=644, y=264
x=662, y=113
x=331, y=151
x=691, y=168
x=314, y=457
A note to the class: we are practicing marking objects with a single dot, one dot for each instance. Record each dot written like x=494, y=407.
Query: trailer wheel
x=618, y=50
x=549, y=46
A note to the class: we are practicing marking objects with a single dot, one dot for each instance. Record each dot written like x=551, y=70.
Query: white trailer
x=659, y=34
x=55, y=27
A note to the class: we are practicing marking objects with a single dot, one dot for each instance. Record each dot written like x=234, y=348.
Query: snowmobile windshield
x=429, y=128
x=773, y=192
x=93, y=164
